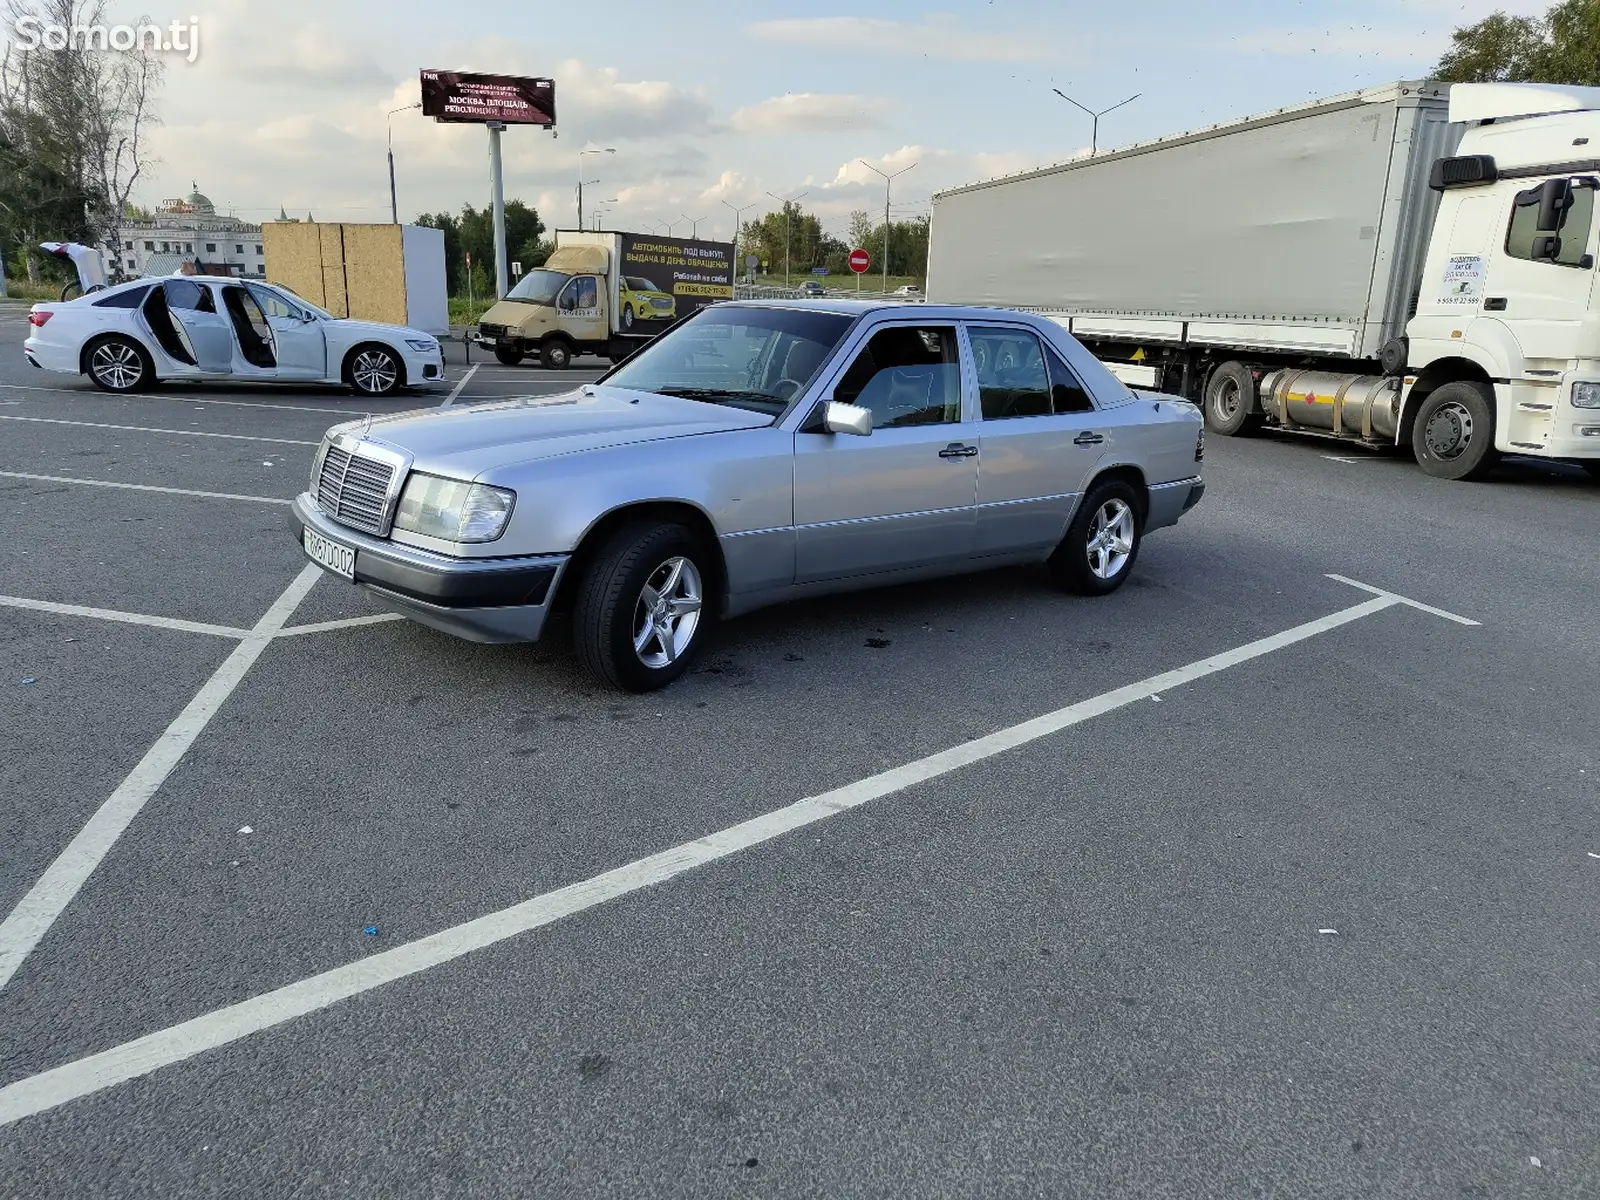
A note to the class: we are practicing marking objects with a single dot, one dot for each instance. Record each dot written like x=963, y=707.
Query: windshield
x=754, y=358
x=640, y=285
x=538, y=287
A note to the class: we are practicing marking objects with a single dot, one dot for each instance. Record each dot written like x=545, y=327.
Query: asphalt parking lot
x=1245, y=881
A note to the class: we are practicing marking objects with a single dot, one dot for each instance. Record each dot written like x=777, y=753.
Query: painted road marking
x=45, y=901
x=1406, y=600
x=347, y=623
x=126, y=618
x=143, y=1056
x=456, y=391
x=141, y=487
x=200, y=398
x=238, y=437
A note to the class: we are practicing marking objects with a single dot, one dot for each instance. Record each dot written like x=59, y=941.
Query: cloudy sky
x=706, y=101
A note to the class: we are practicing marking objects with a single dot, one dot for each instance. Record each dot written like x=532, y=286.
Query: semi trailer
x=1410, y=265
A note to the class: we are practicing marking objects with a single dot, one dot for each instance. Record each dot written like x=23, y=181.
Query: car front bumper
x=478, y=599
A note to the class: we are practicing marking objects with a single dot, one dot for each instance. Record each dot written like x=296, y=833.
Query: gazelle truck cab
x=1508, y=308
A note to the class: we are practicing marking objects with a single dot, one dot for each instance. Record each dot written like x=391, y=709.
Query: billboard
x=462, y=96
x=693, y=273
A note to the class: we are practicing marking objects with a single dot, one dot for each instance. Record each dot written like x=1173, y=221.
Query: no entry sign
x=860, y=260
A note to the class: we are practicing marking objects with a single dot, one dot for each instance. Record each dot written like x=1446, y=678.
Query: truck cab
x=1508, y=296
x=555, y=311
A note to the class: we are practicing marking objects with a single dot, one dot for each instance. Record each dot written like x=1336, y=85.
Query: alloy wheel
x=374, y=371
x=116, y=365
x=1110, y=539
x=667, y=613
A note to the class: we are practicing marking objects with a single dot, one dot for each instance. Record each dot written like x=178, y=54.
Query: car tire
x=1229, y=401
x=555, y=355
x=620, y=638
x=627, y=316
x=1092, y=560
x=374, y=370
x=507, y=356
x=1592, y=465
x=118, y=365
x=1453, y=437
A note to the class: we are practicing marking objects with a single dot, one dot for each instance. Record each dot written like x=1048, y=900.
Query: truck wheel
x=555, y=355
x=1454, y=434
x=641, y=608
x=1101, y=546
x=1230, y=401
x=508, y=356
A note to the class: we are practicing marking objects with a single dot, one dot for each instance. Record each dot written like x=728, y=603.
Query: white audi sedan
x=206, y=327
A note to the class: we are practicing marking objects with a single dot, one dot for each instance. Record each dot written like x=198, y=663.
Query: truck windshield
x=538, y=287
x=753, y=358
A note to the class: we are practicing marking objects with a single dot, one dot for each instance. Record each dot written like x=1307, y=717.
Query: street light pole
x=394, y=206
x=887, y=180
x=1094, y=131
x=788, y=216
x=694, y=224
x=736, y=211
x=581, y=153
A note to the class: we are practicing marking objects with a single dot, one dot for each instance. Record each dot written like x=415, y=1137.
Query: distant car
x=758, y=452
x=641, y=300
x=812, y=287
x=909, y=289
x=207, y=327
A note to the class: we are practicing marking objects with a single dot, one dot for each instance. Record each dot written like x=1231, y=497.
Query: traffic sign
x=860, y=261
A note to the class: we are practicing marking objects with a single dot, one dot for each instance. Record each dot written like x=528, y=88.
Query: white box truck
x=606, y=293
x=1410, y=265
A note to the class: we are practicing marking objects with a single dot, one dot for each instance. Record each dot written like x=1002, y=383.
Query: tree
x=790, y=234
x=473, y=233
x=73, y=124
x=1563, y=46
x=861, y=228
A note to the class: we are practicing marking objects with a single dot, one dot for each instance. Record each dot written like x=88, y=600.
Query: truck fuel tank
x=1361, y=406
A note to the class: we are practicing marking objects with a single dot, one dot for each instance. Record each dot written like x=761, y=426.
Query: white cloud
x=811, y=112
x=937, y=37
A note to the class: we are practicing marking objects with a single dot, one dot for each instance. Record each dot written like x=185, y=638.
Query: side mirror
x=1555, y=197
x=846, y=418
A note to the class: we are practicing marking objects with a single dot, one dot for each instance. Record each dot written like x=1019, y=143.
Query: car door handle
x=1087, y=439
x=957, y=450
x=1495, y=304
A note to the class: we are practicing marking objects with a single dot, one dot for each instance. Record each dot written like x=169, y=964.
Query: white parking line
x=1406, y=600
x=126, y=618
x=38, y=910
x=238, y=437
x=150, y=1053
x=347, y=623
x=141, y=487
x=456, y=391
x=200, y=398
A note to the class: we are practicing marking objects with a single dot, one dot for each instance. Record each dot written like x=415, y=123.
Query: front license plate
x=341, y=560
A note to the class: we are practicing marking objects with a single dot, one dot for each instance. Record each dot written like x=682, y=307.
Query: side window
x=130, y=298
x=907, y=375
x=1067, y=393
x=568, y=300
x=271, y=304
x=1574, y=232
x=186, y=294
x=588, y=293
x=1012, y=380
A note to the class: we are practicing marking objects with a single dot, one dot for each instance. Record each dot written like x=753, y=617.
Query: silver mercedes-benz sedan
x=754, y=453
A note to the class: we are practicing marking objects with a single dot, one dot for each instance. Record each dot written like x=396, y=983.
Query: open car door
x=203, y=332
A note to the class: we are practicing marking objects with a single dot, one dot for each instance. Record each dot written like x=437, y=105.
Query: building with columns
x=189, y=229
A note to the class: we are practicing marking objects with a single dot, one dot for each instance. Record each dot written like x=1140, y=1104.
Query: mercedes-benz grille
x=354, y=490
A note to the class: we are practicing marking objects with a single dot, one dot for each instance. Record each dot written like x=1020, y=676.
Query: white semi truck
x=1410, y=265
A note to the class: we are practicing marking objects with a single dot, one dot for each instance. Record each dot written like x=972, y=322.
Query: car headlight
x=422, y=345
x=453, y=509
x=1586, y=395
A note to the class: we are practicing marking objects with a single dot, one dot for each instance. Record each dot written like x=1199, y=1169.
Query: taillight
x=37, y=319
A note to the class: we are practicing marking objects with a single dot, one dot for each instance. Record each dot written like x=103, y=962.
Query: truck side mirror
x=1555, y=197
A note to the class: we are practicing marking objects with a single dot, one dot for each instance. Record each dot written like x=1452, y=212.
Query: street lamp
x=787, y=215
x=736, y=212
x=887, y=180
x=602, y=212
x=1094, y=134
x=394, y=207
x=582, y=181
x=694, y=225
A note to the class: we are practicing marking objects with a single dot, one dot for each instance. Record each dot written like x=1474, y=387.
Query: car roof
x=856, y=308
